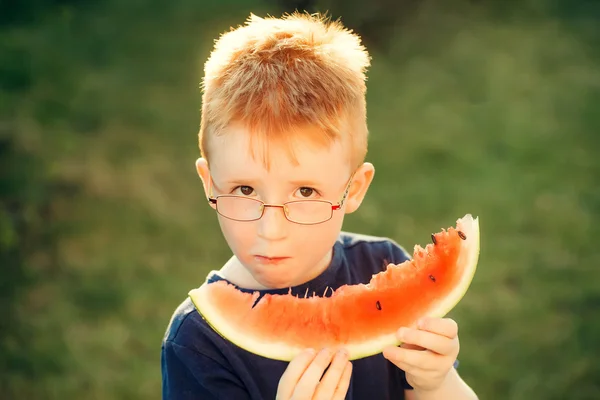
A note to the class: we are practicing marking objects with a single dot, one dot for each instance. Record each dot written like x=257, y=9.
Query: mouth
x=269, y=260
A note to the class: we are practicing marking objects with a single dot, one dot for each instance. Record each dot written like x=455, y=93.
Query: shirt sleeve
x=398, y=253
x=187, y=374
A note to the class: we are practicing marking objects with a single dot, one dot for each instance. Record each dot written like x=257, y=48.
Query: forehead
x=237, y=153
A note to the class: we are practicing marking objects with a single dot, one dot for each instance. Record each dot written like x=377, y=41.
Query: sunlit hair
x=278, y=76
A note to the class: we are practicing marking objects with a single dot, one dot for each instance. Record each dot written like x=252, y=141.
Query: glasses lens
x=309, y=211
x=239, y=208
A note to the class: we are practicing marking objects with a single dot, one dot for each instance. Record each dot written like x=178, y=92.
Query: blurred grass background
x=487, y=107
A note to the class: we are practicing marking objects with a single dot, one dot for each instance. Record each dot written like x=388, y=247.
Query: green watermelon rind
x=285, y=352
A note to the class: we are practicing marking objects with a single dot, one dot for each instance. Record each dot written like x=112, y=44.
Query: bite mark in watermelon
x=362, y=318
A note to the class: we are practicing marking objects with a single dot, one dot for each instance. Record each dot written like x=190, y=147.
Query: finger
x=312, y=375
x=431, y=341
x=442, y=326
x=344, y=383
x=332, y=377
x=293, y=373
x=425, y=360
x=411, y=346
x=415, y=372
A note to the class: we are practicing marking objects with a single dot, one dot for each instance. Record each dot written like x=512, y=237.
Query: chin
x=274, y=282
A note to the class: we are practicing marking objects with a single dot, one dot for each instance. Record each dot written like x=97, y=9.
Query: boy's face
x=275, y=251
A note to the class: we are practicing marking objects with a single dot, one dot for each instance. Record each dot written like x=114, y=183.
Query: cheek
x=321, y=236
x=237, y=234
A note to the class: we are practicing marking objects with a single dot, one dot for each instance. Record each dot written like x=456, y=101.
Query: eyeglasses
x=304, y=212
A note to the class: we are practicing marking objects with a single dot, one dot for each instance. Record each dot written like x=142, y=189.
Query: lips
x=269, y=259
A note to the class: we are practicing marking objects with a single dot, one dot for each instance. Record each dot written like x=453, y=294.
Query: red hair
x=277, y=76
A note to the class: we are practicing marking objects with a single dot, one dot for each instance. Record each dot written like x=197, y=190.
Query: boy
x=283, y=138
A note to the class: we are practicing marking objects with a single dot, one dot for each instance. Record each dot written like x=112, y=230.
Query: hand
x=303, y=379
x=427, y=354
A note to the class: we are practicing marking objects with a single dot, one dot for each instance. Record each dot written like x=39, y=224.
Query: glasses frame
x=213, y=201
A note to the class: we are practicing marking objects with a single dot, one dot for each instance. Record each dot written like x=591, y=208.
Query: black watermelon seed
x=378, y=305
x=462, y=235
x=433, y=239
x=432, y=277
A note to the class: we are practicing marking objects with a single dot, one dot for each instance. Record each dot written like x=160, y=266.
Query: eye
x=244, y=190
x=307, y=192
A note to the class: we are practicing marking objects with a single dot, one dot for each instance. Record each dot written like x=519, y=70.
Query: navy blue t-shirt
x=197, y=363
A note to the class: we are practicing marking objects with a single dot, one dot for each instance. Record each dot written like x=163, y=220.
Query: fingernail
x=421, y=324
x=402, y=333
x=386, y=352
x=325, y=352
x=342, y=353
x=311, y=352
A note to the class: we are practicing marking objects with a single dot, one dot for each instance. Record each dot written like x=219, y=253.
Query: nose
x=273, y=224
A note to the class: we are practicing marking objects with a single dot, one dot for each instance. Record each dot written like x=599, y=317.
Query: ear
x=204, y=173
x=359, y=186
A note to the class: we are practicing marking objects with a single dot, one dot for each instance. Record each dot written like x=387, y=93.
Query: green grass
x=492, y=116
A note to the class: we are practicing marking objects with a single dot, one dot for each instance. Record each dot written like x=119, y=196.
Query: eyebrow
x=306, y=182
x=254, y=182
x=239, y=180
x=220, y=184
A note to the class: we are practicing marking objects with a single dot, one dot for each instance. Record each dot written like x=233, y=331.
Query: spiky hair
x=278, y=75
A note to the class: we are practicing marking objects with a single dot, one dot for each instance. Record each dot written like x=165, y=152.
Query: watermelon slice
x=361, y=318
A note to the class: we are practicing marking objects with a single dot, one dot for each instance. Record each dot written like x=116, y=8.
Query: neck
x=234, y=272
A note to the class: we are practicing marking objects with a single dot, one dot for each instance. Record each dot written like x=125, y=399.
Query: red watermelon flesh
x=360, y=318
